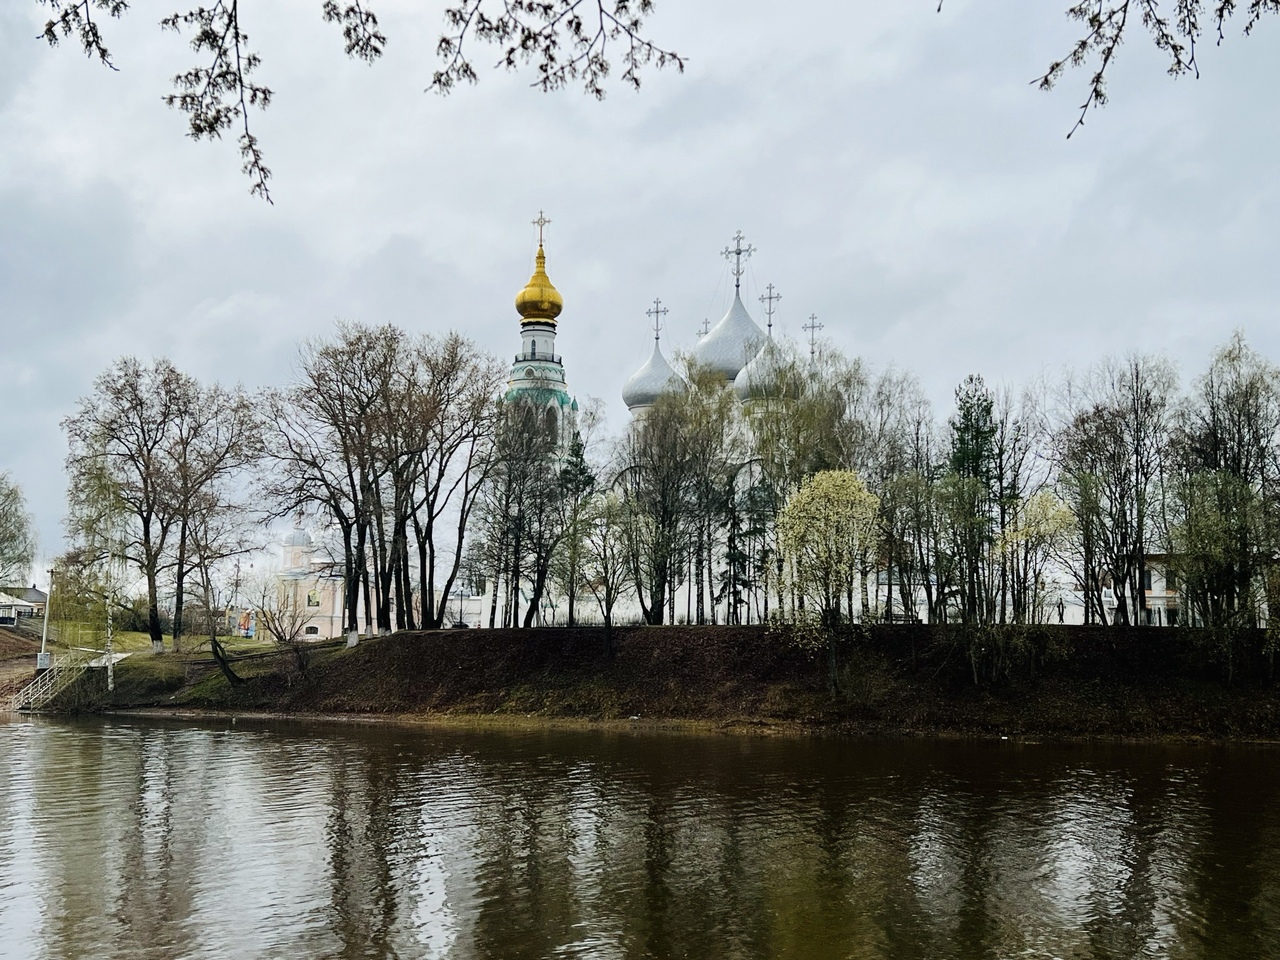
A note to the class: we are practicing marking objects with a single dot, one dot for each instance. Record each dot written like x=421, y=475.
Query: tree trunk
x=179, y=581
x=153, y=614
x=701, y=610
x=220, y=655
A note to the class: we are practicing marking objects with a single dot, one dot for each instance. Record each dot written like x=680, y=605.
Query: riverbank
x=1065, y=682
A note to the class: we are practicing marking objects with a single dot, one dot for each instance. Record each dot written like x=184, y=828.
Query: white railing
x=36, y=694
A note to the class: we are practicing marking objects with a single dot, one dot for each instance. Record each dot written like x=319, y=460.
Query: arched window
x=533, y=348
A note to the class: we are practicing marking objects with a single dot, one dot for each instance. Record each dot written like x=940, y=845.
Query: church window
x=533, y=348
x=313, y=631
x=313, y=598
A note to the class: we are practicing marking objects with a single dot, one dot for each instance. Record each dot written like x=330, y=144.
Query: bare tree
x=217, y=435
x=308, y=477
x=390, y=437
x=217, y=531
x=525, y=505
x=1110, y=454
x=118, y=465
x=657, y=479
x=577, y=485
x=282, y=612
x=455, y=462
x=605, y=565
x=326, y=450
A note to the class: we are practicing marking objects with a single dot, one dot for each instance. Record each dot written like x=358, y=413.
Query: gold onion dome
x=539, y=300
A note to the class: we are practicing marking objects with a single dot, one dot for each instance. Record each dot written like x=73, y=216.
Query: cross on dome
x=769, y=299
x=705, y=328
x=737, y=253
x=657, y=312
x=540, y=223
x=813, y=326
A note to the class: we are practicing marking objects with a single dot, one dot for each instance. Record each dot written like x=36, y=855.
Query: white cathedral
x=735, y=348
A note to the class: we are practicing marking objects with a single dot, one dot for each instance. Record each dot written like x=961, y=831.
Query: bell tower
x=537, y=373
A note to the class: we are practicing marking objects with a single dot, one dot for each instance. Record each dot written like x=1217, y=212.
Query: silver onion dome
x=650, y=381
x=731, y=343
x=762, y=377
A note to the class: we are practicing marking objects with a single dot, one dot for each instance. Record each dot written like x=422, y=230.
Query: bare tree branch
x=218, y=94
x=77, y=18
x=1176, y=34
x=562, y=41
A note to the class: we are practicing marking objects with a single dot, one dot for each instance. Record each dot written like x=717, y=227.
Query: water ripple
x=138, y=840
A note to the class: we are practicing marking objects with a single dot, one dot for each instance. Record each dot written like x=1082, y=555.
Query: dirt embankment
x=1015, y=681
x=17, y=660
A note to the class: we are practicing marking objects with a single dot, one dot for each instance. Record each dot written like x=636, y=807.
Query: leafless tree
x=218, y=530
x=282, y=612
x=325, y=447
x=1110, y=453
x=455, y=462
x=525, y=515
x=118, y=466
x=605, y=566
x=217, y=436
x=657, y=479
x=388, y=437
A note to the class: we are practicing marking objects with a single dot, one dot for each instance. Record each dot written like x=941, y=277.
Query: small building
x=12, y=609
x=35, y=599
x=311, y=584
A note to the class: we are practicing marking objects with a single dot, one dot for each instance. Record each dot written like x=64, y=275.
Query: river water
x=149, y=839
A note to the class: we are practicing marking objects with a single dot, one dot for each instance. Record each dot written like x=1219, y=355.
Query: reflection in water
x=132, y=839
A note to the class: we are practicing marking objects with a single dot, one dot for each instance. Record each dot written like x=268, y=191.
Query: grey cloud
x=898, y=174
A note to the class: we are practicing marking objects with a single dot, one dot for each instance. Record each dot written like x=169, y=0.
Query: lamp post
x=43, y=660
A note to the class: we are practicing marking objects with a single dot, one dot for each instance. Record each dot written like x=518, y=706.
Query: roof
x=730, y=343
x=654, y=378
x=29, y=594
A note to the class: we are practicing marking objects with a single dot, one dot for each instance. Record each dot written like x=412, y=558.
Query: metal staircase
x=64, y=672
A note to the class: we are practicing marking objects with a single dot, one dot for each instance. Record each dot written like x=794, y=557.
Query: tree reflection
x=158, y=841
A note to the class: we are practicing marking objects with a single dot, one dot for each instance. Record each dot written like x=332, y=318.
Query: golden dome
x=539, y=300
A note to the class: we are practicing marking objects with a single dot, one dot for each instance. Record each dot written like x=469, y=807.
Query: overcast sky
x=895, y=169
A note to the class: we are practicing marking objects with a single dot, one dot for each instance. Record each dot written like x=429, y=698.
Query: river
x=132, y=838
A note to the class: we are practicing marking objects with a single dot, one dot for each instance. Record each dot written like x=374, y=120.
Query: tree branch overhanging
x=217, y=95
x=1174, y=26
x=562, y=40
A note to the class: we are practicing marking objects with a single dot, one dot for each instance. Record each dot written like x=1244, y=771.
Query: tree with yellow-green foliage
x=828, y=532
x=829, y=535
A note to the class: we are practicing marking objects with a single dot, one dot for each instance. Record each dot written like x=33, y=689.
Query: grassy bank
x=1038, y=682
